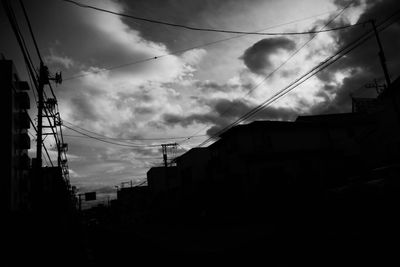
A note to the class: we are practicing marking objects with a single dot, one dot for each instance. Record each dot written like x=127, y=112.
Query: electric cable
x=203, y=29
x=287, y=89
x=109, y=142
x=188, y=49
x=130, y=139
x=280, y=66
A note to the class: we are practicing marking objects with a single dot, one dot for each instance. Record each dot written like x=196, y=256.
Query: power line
x=269, y=101
x=41, y=62
x=203, y=29
x=141, y=183
x=38, y=86
x=109, y=142
x=190, y=48
x=288, y=89
x=21, y=42
x=363, y=38
x=147, y=139
x=131, y=139
x=25, y=52
x=44, y=147
x=293, y=85
x=279, y=67
x=45, y=160
x=31, y=84
x=30, y=30
x=190, y=137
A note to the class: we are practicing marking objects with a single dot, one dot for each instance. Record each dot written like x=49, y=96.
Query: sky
x=137, y=84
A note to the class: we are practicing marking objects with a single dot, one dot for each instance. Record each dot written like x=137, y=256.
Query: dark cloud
x=144, y=110
x=205, y=13
x=342, y=100
x=213, y=130
x=238, y=107
x=363, y=62
x=142, y=95
x=185, y=121
x=156, y=125
x=256, y=57
x=223, y=112
x=344, y=3
x=209, y=87
x=230, y=108
x=84, y=109
x=123, y=129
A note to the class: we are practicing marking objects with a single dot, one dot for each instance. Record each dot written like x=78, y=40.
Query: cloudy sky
x=137, y=84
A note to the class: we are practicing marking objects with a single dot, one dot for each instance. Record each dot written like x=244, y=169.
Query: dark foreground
x=140, y=245
x=357, y=228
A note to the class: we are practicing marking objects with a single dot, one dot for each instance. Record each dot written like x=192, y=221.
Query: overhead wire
x=283, y=92
x=31, y=84
x=210, y=29
x=110, y=142
x=45, y=160
x=47, y=112
x=35, y=129
x=33, y=75
x=30, y=30
x=25, y=48
x=203, y=29
x=129, y=139
x=25, y=53
x=21, y=42
x=297, y=82
x=133, y=139
x=189, y=48
x=277, y=68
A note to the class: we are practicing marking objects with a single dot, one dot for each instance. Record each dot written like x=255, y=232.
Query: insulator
x=64, y=147
x=51, y=103
x=58, y=78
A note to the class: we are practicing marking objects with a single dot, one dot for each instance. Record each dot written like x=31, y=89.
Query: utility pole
x=43, y=79
x=378, y=87
x=165, y=152
x=381, y=54
x=165, y=157
x=129, y=182
x=80, y=202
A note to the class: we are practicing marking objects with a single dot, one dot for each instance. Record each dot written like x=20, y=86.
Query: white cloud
x=130, y=101
x=112, y=102
x=73, y=174
x=54, y=59
x=193, y=56
x=126, y=45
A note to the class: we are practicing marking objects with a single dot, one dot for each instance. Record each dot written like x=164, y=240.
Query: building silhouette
x=269, y=170
x=15, y=105
x=269, y=187
x=40, y=222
